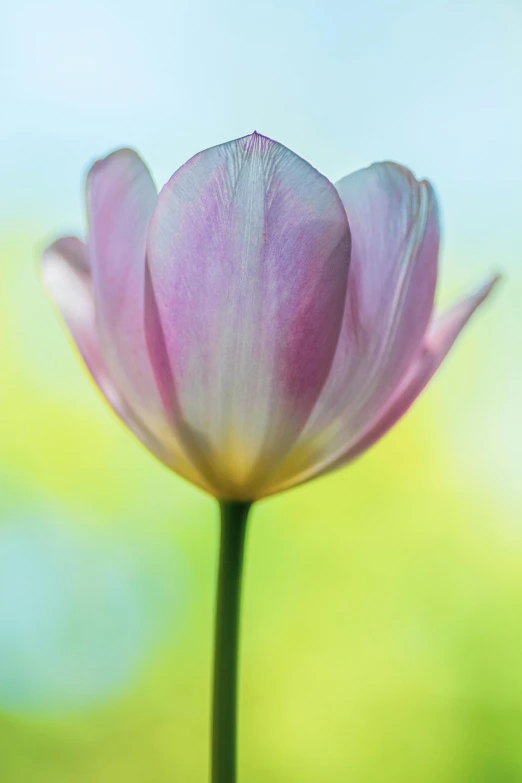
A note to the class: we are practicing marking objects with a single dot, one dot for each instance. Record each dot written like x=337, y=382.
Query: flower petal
x=121, y=197
x=395, y=233
x=395, y=240
x=439, y=339
x=66, y=277
x=248, y=251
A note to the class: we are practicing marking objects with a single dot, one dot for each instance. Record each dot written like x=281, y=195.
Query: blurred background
x=383, y=605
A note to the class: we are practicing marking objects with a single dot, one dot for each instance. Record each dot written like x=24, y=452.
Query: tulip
x=255, y=326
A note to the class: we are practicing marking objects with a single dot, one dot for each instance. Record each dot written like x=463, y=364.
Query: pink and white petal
x=395, y=242
x=121, y=197
x=394, y=219
x=439, y=340
x=67, y=279
x=440, y=337
x=248, y=251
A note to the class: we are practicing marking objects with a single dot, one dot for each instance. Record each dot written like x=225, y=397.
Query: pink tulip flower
x=253, y=324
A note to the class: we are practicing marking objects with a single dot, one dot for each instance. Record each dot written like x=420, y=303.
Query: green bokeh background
x=382, y=630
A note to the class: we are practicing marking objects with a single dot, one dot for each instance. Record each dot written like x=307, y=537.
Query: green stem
x=224, y=718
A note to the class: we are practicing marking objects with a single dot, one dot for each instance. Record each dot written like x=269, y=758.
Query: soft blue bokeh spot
x=80, y=613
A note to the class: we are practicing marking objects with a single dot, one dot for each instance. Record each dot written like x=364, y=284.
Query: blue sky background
x=435, y=85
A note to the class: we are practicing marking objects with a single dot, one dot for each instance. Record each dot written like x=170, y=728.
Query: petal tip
x=69, y=248
x=494, y=281
x=123, y=154
x=487, y=287
x=260, y=141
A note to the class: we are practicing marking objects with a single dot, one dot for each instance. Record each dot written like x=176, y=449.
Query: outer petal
x=440, y=338
x=395, y=233
x=438, y=341
x=248, y=251
x=395, y=241
x=121, y=197
x=67, y=279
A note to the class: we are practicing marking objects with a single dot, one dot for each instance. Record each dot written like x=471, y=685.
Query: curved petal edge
x=66, y=277
x=440, y=338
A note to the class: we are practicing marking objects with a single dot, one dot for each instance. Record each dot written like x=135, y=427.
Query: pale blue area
x=434, y=84
x=81, y=613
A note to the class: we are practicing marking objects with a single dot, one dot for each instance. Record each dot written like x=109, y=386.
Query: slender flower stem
x=234, y=517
